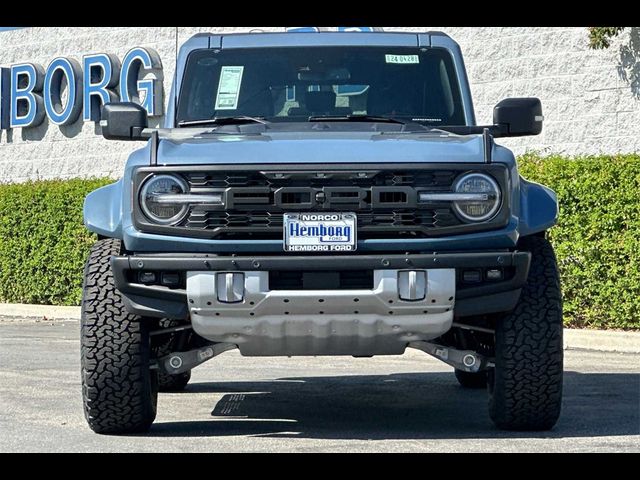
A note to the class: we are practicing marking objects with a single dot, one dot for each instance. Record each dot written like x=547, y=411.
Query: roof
x=302, y=39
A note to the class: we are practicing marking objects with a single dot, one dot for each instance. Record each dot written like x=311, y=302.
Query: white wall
x=591, y=99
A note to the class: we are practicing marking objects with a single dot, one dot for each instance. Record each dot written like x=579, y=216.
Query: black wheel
x=119, y=390
x=525, y=387
x=472, y=380
x=167, y=345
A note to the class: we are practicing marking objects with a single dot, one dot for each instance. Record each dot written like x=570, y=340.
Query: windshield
x=294, y=83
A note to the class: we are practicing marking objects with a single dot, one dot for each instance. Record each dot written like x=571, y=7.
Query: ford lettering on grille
x=324, y=232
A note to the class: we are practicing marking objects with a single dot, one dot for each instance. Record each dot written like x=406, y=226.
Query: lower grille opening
x=340, y=280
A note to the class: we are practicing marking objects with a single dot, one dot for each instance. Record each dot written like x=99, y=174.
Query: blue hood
x=183, y=148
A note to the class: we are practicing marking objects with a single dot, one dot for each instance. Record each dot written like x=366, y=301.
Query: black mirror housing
x=123, y=121
x=519, y=116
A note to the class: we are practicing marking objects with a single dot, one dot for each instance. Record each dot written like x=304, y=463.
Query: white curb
x=602, y=340
x=21, y=311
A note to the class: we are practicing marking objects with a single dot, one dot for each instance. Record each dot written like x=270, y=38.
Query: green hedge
x=43, y=243
x=597, y=239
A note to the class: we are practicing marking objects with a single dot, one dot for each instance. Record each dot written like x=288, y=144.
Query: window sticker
x=229, y=88
x=404, y=59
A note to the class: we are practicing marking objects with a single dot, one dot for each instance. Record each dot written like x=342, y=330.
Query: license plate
x=320, y=232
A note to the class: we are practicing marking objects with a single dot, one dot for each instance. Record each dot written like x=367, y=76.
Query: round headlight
x=151, y=195
x=487, y=202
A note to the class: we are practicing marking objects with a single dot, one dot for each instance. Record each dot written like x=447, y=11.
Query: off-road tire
x=119, y=390
x=167, y=382
x=471, y=379
x=525, y=387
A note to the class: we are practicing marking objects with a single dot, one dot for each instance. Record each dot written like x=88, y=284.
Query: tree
x=600, y=37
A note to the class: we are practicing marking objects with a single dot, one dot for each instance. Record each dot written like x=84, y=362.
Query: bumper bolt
x=175, y=362
x=469, y=361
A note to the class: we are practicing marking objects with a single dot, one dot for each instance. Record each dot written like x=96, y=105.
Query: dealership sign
x=28, y=92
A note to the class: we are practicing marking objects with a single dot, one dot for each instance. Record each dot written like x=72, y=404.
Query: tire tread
x=526, y=393
x=119, y=391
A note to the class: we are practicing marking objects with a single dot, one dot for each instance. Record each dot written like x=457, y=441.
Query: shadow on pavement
x=401, y=406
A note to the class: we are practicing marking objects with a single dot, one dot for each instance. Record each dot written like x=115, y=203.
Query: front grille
x=334, y=191
x=384, y=199
x=325, y=191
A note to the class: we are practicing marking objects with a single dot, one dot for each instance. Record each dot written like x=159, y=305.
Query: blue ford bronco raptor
x=321, y=194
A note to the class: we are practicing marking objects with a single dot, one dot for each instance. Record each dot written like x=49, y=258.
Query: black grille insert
x=382, y=200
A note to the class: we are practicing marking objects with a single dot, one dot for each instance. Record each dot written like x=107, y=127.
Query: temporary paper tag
x=401, y=58
x=229, y=88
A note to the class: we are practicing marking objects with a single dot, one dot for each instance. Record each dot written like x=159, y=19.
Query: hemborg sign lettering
x=28, y=92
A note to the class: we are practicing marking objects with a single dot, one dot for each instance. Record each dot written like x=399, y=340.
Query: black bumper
x=165, y=302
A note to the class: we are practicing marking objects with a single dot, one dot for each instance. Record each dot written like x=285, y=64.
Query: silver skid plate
x=321, y=322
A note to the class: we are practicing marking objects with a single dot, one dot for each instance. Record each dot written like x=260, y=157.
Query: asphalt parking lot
x=409, y=403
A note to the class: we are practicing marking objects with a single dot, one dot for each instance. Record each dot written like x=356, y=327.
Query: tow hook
x=465, y=360
x=179, y=362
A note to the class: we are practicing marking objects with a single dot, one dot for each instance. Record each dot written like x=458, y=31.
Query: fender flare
x=102, y=211
x=538, y=208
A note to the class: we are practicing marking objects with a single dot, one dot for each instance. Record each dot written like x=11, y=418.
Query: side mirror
x=518, y=116
x=123, y=121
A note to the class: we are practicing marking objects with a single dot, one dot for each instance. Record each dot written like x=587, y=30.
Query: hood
x=180, y=148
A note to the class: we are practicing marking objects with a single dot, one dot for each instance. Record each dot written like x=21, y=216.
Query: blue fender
x=102, y=210
x=538, y=208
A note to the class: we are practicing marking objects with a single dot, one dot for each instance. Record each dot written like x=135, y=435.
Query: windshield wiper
x=240, y=120
x=354, y=118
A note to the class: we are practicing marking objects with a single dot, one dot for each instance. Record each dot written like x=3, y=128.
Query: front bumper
x=323, y=321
